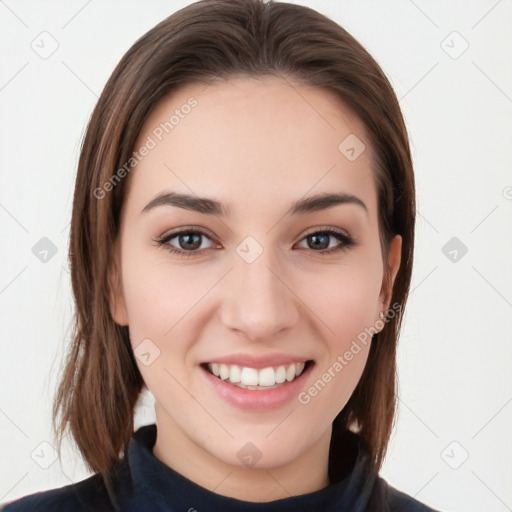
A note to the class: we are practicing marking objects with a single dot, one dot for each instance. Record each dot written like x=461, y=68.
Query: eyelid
x=187, y=229
x=321, y=229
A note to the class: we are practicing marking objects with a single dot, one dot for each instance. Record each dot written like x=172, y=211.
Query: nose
x=259, y=303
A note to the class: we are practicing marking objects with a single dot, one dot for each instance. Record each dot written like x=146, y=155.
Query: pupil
x=188, y=243
x=324, y=245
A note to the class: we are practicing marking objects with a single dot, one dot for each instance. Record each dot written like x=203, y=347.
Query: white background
x=455, y=351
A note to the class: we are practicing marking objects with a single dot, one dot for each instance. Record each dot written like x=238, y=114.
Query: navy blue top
x=141, y=482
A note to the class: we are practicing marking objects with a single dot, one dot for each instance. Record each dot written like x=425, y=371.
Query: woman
x=242, y=246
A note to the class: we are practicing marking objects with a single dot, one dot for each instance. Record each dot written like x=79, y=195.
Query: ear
x=116, y=294
x=394, y=258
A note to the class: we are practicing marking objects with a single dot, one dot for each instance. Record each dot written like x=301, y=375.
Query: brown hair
x=202, y=42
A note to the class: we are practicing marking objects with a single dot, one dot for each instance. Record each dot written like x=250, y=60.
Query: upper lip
x=258, y=362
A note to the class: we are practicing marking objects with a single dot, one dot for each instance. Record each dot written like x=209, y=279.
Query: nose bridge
x=259, y=304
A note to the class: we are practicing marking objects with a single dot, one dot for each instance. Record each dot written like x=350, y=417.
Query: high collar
x=157, y=487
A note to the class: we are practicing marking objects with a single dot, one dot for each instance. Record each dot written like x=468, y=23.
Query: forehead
x=252, y=141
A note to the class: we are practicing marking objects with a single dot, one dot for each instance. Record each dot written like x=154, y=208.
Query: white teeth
x=290, y=373
x=249, y=377
x=266, y=377
x=224, y=371
x=235, y=373
x=280, y=375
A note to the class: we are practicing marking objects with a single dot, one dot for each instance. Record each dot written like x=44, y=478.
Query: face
x=269, y=297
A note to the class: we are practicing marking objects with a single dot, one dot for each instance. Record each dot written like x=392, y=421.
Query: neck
x=305, y=474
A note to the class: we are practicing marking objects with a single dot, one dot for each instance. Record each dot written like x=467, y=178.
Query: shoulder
x=399, y=501
x=395, y=500
x=89, y=494
x=372, y=491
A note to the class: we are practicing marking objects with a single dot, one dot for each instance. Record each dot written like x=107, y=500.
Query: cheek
x=345, y=300
x=164, y=310
x=158, y=296
x=344, y=303
x=345, y=309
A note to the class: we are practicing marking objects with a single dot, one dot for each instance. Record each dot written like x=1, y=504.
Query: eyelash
x=346, y=241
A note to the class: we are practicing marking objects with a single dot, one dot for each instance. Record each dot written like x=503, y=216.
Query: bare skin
x=257, y=145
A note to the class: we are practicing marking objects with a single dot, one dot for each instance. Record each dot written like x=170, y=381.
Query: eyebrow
x=213, y=207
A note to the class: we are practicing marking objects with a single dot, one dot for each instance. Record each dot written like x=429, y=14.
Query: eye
x=322, y=240
x=189, y=242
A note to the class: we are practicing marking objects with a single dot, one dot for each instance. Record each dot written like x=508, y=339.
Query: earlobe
x=116, y=295
x=394, y=259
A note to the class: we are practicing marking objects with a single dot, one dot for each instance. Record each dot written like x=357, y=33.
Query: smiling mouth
x=258, y=380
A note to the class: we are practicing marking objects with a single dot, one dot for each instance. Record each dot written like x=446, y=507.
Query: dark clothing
x=141, y=482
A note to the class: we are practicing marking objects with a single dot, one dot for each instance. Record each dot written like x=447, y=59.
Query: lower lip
x=257, y=399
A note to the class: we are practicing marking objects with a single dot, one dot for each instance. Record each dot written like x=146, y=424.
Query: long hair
x=206, y=40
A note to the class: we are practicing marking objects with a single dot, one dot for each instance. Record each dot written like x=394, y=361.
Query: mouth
x=254, y=379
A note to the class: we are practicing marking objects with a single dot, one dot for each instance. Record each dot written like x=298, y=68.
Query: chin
x=264, y=448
